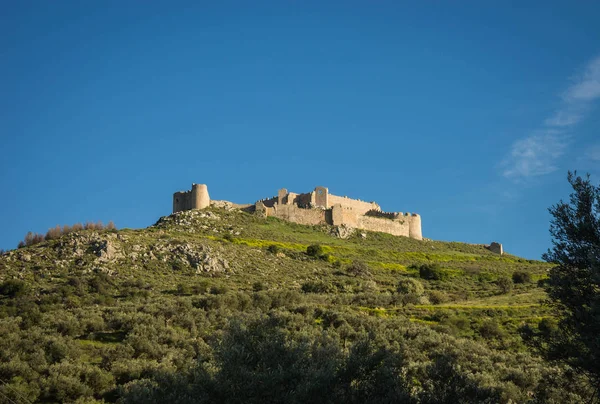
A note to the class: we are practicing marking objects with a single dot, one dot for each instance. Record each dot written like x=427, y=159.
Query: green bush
x=521, y=277
x=273, y=249
x=183, y=289
x=432, y=272
x=317, y=287
x=314, y=250
x=437, y=297
x=13, y=288
x=358, y=269
x=410, y=285
x=505, y=284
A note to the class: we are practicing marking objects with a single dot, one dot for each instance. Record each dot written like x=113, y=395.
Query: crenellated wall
x=313, y=208
x=321, y=207
x=360, y=207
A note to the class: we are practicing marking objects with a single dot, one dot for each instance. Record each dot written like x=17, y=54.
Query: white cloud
x=534, y=155
x=537, y=154
x=587, y=86
x=564, y=118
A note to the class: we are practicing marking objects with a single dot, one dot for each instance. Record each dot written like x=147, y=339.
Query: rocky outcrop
x=342, y=231
x=200, y=257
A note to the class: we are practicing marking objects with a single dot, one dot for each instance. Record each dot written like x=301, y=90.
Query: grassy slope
x=242, y=239
x=144, y=263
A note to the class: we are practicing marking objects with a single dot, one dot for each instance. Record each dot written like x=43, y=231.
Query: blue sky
x=467, y=113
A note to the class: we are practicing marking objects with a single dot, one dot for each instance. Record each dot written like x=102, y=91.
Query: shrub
x=437, y=297
x=273, y=248
x=13, y=288
x=228, y=237
x=505, y=284
x=410, y=291
x=183, y=289
x=358, y=268
x=317, y=287
x=54, y=233
x=521, y=277
x=432, y=272
x=31, y=239
x=200, y=287
x=491, y=329
x=258, y=286
x=410, y=285
x=314, y=250
x=218, y=290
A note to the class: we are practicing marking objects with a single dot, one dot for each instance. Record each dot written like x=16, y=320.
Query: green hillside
x=220, y=305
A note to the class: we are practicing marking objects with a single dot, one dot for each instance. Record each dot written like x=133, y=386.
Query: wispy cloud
x=537, y=153
x=534, y=155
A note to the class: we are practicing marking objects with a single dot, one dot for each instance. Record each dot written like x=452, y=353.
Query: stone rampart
x=296, y=214
x=313, y=208
x=396, y=227
x=360, y=207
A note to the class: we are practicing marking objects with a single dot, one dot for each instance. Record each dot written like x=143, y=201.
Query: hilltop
x=219, y=305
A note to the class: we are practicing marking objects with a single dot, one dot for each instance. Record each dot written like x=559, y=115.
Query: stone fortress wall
x=196, y=198
x=314, y=208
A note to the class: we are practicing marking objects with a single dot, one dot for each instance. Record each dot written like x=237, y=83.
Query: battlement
x=316, y=207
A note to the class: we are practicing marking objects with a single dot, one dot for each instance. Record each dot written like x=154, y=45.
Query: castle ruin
x=314, y=208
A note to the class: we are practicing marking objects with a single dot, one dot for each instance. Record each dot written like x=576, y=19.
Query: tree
x=574, y=283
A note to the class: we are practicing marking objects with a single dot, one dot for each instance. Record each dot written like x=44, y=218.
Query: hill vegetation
x=221, y=306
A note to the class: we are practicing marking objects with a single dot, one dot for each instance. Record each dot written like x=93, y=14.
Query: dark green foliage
x=574, y=283
x=432, y=272
x=317, y=287
x=521, y=277
x=13, y=288
x=273, y=249
x=505, y=284
x=358, y=269
x=314, y=250
x=183, y=289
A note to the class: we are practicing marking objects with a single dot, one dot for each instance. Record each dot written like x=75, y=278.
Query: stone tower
x=196, y=198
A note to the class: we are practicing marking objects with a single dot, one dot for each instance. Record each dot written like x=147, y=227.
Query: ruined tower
x=196, y=198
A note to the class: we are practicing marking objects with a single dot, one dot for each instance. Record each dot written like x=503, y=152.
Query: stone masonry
x=316, y=207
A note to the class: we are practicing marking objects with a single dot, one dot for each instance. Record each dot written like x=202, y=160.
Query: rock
x=105, y=250
x=342, y=231
x=202, y=258
x=363, y=235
